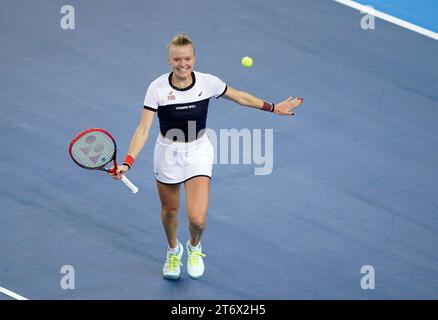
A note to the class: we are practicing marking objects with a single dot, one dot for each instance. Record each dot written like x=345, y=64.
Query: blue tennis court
x=354, y=175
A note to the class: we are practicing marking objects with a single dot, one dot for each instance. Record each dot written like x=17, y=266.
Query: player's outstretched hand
x=121, y=170
x=285, y=107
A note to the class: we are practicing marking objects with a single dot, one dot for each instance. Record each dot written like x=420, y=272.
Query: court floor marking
x=12, y=294
x=402, y=23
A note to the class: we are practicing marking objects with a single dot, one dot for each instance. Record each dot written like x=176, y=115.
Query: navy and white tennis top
x=183, y=110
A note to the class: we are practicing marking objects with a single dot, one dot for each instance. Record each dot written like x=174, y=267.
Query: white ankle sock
x=174, y=250
x=196, y=248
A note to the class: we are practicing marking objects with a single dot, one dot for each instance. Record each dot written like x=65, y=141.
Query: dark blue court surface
x=355, y=174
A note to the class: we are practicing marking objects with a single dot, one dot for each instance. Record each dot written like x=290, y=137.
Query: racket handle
x=129, y=184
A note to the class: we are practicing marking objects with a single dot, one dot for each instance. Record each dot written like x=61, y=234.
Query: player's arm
x=138, y=141
x=141, y=134
x=246, y=99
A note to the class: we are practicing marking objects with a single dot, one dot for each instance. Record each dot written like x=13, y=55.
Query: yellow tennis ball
x=247, y=62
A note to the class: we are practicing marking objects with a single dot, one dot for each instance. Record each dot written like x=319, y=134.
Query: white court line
x=389, y=18
x=12, y=294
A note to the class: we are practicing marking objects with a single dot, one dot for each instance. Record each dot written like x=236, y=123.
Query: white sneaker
x=195, y=262
x=171, y=268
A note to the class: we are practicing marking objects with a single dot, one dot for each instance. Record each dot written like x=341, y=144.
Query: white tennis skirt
x=177, y=162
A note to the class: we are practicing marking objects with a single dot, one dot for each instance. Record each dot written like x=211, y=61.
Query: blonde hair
x=181, y=39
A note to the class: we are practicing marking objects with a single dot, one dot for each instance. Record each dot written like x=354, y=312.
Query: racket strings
x=93, y=150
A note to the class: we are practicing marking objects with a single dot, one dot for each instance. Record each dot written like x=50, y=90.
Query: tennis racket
x=93, y=149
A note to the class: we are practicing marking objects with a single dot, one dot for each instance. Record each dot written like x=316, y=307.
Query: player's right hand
x=121, y=170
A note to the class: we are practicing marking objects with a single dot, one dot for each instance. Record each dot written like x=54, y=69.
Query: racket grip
x=129, y=184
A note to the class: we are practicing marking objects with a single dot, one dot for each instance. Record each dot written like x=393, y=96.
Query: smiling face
x=182, y=60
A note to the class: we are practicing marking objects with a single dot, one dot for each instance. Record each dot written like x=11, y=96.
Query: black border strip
x=226, y=88
x=172, y=184
x=186, y=88
x=151, y=109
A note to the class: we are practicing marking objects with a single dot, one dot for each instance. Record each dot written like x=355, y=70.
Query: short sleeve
x=218, y=87
x=151, y=98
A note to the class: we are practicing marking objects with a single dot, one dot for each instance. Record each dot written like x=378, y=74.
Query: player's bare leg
x=169, y=196
x=197, y=195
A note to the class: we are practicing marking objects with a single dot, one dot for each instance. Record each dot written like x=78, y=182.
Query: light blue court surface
x=355, y=174
x=423, y=13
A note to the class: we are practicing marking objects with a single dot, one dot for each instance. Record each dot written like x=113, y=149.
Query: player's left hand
x=285, y=107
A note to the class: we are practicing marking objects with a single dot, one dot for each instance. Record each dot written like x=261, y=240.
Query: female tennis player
x=183, y=153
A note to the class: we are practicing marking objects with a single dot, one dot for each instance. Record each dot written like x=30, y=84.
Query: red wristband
x=129, y=160
x=268, y=106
